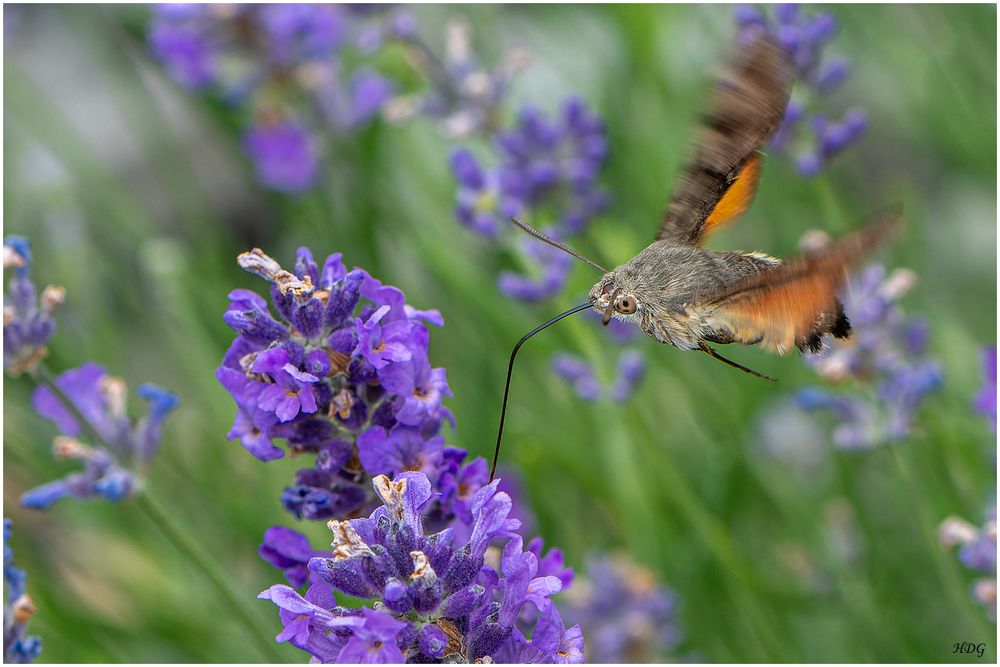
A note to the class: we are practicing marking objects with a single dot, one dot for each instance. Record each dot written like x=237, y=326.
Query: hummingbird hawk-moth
x=683, y=295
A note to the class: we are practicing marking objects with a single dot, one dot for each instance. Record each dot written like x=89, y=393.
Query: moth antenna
x=712, y=353
x=558, y=244
x=510, y=370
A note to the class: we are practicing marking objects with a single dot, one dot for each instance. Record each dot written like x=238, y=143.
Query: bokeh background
x=137, y=197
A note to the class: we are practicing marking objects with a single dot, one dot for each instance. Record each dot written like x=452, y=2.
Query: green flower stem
x=174, y=533
x=956, y=590
x=739, y=575
x=160, y=517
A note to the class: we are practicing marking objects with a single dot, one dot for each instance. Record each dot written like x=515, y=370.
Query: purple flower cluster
x=886, y=354
x=985, y=402
x=27, y=318
x=340, y=370
x=438, y=597
x=18, y=647
x=288, y=59
x=544, y=167
x=286, y=63
x=977, y=552
x=625, y=613
x=580, y=375
x=807, y=133
x=462, y=94
x=125, y=448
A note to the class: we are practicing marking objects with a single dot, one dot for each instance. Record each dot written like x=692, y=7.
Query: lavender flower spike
x=18, y=608
x=336, y=366
x=285, y=63
x=428, y=558
x=27, y=318
x=435, y=599
x=462, y=94
x=580, y=375
x=887, y=352
x=985, y=402
x=284, y=155
x=111, y=467
x=627, y=615
x=978, y=553
x=807, y=134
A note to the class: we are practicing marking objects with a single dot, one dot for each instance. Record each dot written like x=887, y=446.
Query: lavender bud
x=832, y=74
x=308, y=318
x=396, y=596
x=256, y=327
x=464, y=601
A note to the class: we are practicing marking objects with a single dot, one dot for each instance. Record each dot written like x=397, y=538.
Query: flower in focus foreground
x=340, y=370
x=435, y=597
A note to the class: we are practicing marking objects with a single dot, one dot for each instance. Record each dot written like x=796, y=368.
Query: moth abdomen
x=841, y=326
x=836, y=324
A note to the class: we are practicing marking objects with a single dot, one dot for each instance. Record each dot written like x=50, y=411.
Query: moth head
x=613, y=298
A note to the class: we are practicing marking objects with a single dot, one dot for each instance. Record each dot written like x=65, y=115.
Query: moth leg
x=703, y=346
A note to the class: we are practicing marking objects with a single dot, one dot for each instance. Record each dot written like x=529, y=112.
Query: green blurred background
x=137, y=198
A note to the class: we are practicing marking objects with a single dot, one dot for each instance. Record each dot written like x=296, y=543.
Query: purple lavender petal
x=284, y=156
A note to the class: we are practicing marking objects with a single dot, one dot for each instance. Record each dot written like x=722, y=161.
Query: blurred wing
x=784, y=306
x=746, y=109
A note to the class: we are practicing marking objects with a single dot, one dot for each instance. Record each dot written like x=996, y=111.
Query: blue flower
x=179, y=39
x=289, y=551
x=461, y=93
x=290, y=391
x=18, y=646
x=376, y=640
x=580, y=375
x=626, y=614
x=552, y=267
x=284, y=155
x=110, y=466
x=480, y=206
x=806, y=133
x=420, y=557
x=977, y=552
x=298, y=32
x=27, y=318
x=286, y=62
x=985, y=402
x=542, y=165
x=309, y=623
x=420, y=390
x=886, y=354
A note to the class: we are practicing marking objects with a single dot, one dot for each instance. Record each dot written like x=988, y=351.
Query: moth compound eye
x=626, y=305
x=606, y=289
